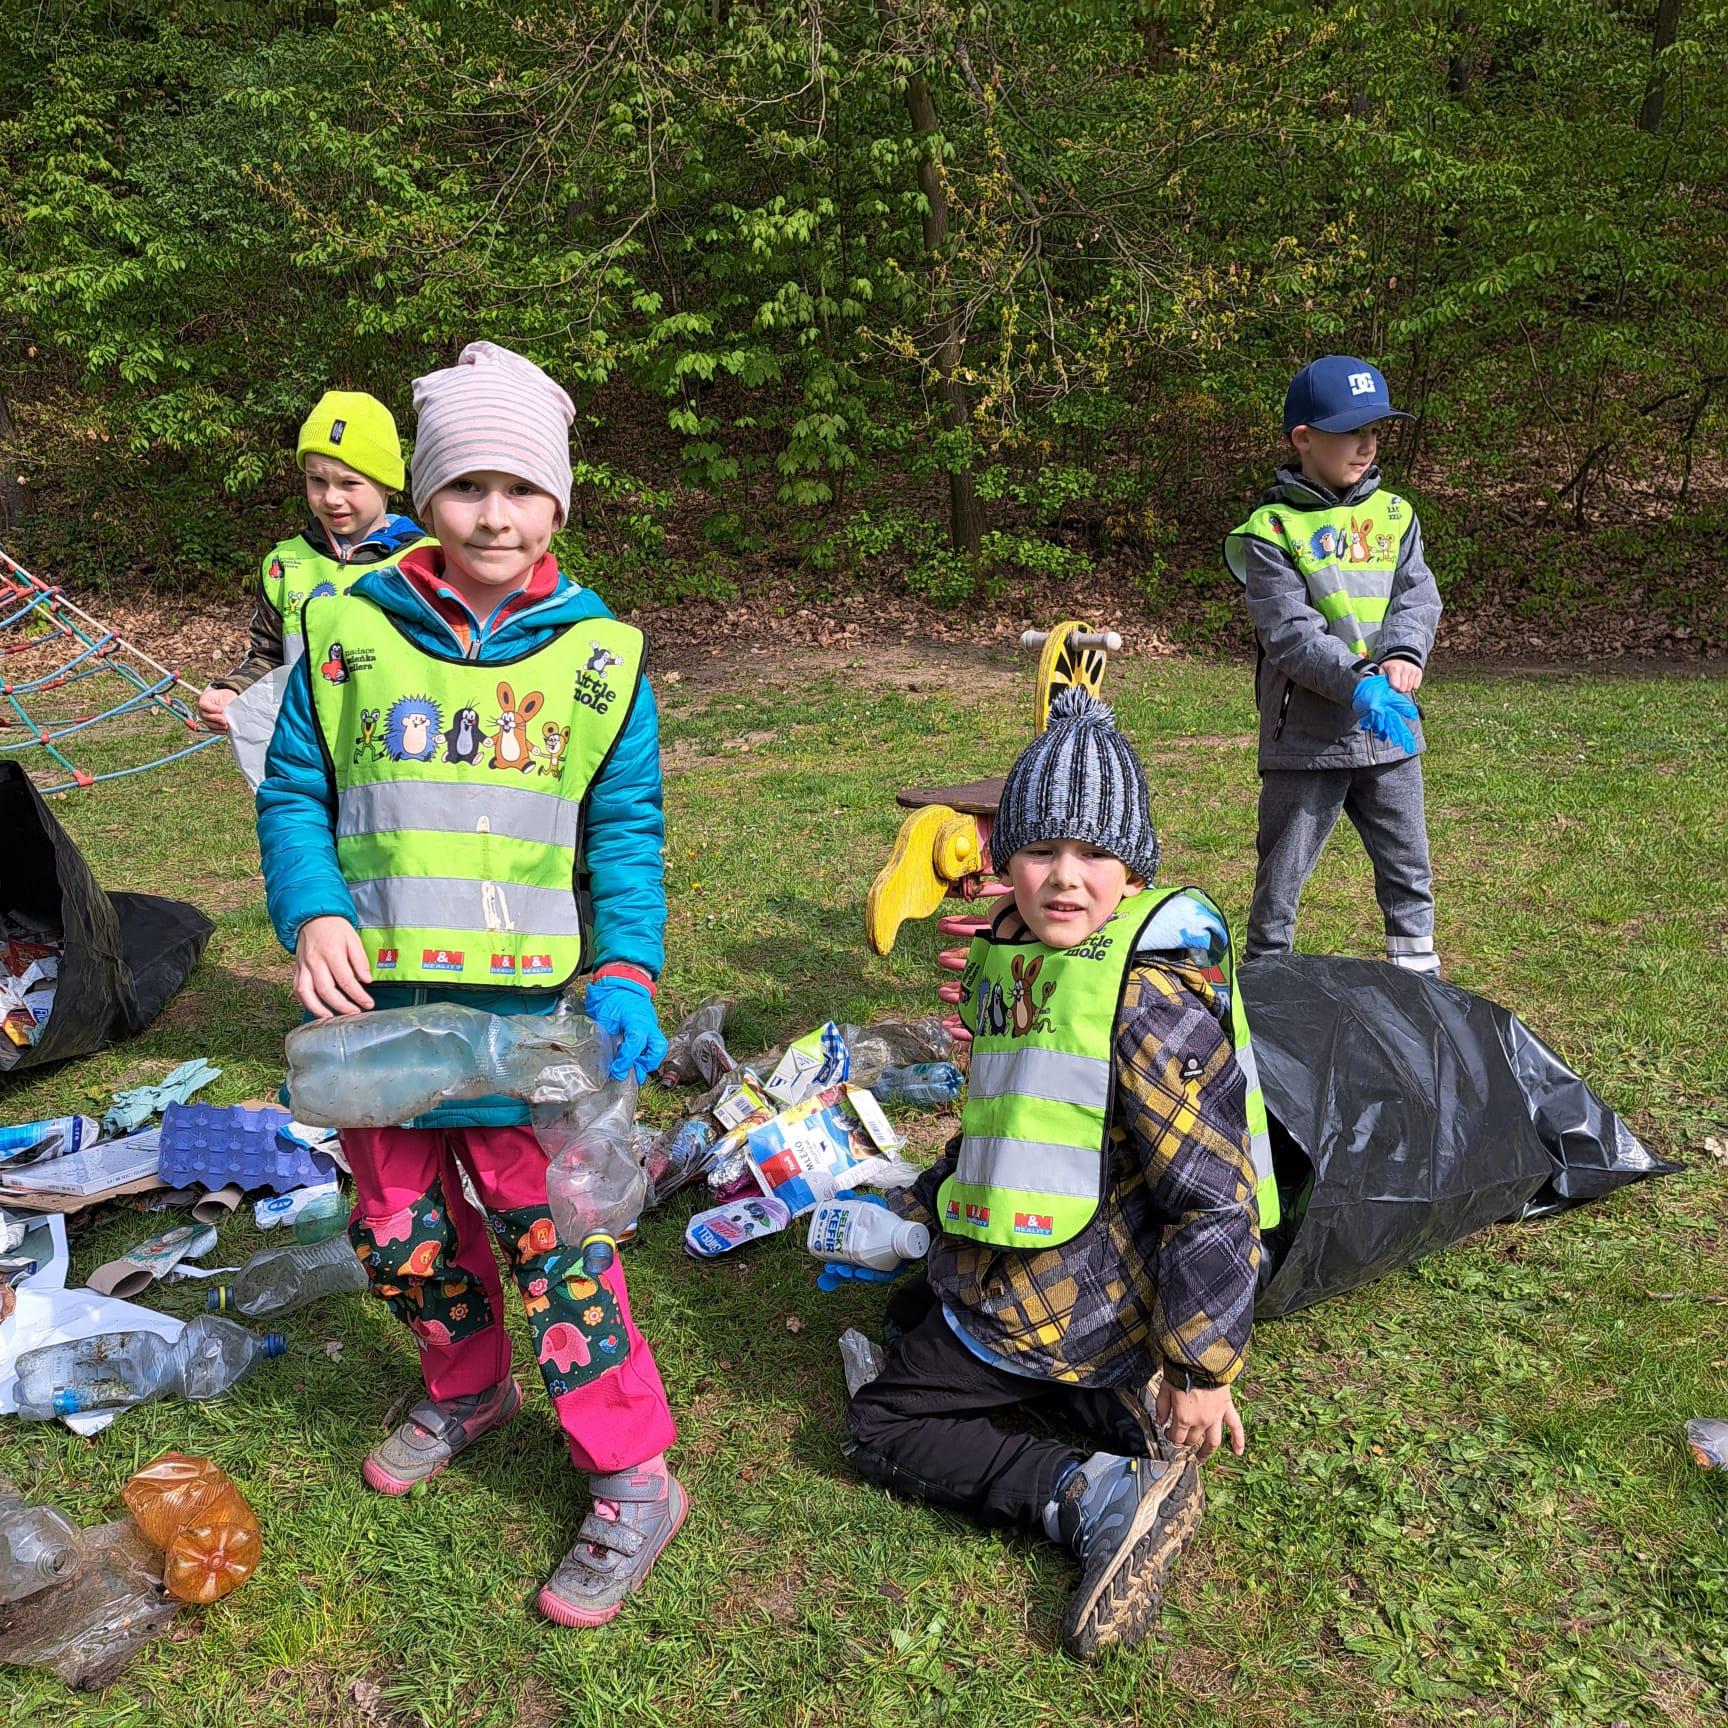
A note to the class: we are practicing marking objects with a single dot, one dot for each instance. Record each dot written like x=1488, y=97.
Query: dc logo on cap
x=1361, y=383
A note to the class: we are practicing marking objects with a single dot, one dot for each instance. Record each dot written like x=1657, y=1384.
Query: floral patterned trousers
x=427, y=1252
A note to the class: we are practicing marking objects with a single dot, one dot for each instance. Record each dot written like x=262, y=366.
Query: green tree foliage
x=831, y=265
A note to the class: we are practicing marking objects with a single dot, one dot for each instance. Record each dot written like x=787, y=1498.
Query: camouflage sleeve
x=264, y=649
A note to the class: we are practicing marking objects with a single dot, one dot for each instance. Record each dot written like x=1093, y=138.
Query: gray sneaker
x=435, y=1431
x=635, y=1515
x=1128, y=1525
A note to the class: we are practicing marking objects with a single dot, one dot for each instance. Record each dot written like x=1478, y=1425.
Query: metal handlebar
x=1079, y=641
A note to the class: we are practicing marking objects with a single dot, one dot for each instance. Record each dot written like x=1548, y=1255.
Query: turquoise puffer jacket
x=624, y=839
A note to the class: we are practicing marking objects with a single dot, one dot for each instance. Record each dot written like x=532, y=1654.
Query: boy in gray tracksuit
x=1344, y=608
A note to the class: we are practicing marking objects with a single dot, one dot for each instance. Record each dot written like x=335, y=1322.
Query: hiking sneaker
x=435, y=1431
x=1127, y=1523
x=635, y=1515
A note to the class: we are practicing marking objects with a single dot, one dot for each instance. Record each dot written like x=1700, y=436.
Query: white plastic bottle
x=860, y=1233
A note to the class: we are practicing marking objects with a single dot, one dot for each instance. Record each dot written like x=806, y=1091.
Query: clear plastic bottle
x=890, y=1042
x=115, y=1370
x=678, y=1066
x=594, y=1186
x=39, y=1546
x=278, y=1280
x=929, y=1083
x=380, y=1069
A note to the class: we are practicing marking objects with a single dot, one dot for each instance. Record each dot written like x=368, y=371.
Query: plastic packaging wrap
x=381, y=1069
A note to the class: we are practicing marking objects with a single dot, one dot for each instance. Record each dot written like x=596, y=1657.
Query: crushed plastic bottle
x=381, y=1069
x=594, y=1185
x=678, y=1066
x=116, y=1370
x=39, y=1546
x=279, y=1280
x=677, y=1157
x=205, y=1527
x=87, y=1629
x=890, y=1043
x=929, y=1083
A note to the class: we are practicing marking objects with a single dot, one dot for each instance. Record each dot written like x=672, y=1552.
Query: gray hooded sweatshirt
x=1306, y=676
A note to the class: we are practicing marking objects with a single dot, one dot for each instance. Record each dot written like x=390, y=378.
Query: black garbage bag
x=1406, y=1114
x=124, y=955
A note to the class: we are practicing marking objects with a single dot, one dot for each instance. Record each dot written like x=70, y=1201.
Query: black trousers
x=922, y=1427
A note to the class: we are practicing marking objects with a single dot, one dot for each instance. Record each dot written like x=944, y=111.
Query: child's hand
x=330, y=968
x=1200, y=1418
x=213, y=707
x=1405, y=676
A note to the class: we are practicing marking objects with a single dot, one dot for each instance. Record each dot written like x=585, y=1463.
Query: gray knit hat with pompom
x=1079, y=779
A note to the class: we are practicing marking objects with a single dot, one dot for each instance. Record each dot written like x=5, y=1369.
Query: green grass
x=1465, y=1497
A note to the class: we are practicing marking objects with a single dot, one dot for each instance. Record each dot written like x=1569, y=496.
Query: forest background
x=906, y=300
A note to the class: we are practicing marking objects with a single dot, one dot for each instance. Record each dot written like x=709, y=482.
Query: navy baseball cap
x=1338, y=393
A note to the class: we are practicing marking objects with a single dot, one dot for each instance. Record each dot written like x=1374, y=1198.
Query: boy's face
x=1065, y=889
x=1336, y=459
x=494, y=528
x=346, y=503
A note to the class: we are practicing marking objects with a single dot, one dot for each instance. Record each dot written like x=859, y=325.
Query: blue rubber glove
x=1384, y=712
x=833, y=1274
x=622, y=1007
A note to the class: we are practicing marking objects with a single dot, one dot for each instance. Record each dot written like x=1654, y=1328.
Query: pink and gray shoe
x=636, y=1513
x=435, y=1431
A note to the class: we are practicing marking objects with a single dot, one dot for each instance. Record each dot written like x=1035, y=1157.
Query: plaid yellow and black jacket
x=1165, y=1273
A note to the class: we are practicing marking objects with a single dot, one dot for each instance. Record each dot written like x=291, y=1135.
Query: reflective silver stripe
x=512, y=812
x=1034, y=1073
x=455, y=903
x=994, y=1161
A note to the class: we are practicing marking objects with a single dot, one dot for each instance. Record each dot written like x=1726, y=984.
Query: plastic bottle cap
x=221, y=1299
x=911, y=1241
x=275, y=1344
x=68, y=1401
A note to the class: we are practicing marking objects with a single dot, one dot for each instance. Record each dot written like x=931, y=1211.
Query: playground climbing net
x=63, y=674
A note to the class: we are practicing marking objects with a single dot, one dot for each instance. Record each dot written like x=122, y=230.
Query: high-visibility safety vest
x=461, y=790
x=1347, y=556
x=296, y=570
x=1036, y=1125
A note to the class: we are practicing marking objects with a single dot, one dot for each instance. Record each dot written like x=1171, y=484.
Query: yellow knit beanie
x=354, y=428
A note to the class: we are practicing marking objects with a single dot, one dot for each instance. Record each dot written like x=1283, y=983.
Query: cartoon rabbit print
x=510, y=747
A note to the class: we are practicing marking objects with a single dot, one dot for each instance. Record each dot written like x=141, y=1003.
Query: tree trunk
x=1661, y=38
x=965, y=514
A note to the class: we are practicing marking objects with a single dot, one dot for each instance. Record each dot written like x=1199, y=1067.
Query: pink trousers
x=428, y=1252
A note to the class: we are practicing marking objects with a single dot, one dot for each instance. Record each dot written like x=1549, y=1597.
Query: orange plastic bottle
x=208, y=1534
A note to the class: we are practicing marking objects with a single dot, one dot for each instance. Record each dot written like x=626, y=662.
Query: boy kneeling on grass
x=1100, y=1220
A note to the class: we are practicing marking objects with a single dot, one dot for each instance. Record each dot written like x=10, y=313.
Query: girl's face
x=494, y=528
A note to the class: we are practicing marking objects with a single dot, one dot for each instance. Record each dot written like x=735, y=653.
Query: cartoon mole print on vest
x=335, y=668
x=510, y=748
x=411, y=732
x=602, y=660
x=464, y=741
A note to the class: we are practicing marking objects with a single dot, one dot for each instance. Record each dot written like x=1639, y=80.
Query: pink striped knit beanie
x=491, y=410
